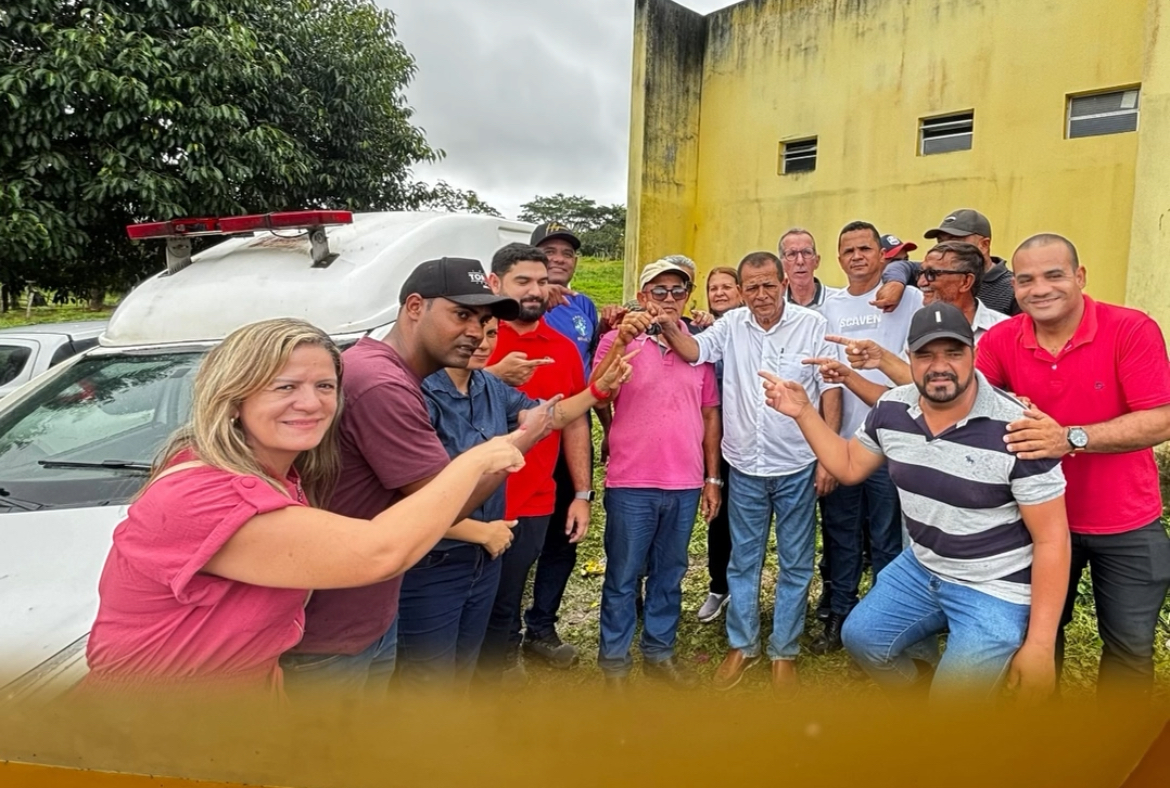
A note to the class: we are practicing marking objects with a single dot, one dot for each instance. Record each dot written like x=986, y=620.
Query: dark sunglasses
x=678, y=292
x=930, y=274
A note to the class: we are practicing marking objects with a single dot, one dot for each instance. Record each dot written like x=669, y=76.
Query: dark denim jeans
x=652, y=529
x=367, y=673
x=503, y=632
x=844, y=514
x=443, y=616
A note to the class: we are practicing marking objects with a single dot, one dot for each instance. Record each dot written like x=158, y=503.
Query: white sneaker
x=712, y=607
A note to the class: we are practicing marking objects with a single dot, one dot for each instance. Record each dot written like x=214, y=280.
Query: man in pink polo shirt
x=664, y=459
x=1098, y=378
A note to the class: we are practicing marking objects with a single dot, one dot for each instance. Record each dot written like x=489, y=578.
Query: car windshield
x=84, y=438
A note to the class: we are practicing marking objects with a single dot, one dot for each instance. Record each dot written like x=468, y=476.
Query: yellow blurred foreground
x=580, y=737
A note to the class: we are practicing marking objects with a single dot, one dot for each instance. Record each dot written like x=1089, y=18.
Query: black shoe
x=823, y=602
x=552, y=650
x=670, y=672
x=830, y=638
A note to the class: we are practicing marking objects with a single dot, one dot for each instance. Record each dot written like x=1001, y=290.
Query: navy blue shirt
x=578, y=322
x=490, y=408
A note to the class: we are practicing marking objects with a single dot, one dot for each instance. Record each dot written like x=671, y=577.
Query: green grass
x=601, y=280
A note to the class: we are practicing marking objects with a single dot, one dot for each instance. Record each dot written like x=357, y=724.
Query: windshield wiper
x=113, y=465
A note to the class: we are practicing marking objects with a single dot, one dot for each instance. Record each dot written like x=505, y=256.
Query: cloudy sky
x=527, y=97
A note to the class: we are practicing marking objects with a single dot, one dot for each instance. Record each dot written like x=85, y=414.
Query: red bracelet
x=598, y=393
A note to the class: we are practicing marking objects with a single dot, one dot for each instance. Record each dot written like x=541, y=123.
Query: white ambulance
x=77, y=441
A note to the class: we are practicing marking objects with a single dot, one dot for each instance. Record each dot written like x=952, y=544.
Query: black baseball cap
x=461, y=280
x=892, y=245
x=960, y=223
x=554, y=230
x=939, y=321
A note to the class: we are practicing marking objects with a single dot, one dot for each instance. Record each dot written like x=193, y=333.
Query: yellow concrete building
x=1047, y=115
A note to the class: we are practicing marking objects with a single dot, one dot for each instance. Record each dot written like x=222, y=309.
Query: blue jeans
x=753, y=500
x=651, y=529
x=443, y=616
x=844, y=514
x=910, y=603
x=348, y=674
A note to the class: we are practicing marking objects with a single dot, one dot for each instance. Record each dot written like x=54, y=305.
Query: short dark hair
x=1046, y=239
x=507, y=256
x=723, y=269
x=853, y=227
x=968, y=259
x=759, y=260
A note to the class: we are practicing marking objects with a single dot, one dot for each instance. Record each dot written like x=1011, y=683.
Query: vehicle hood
x=50, y=562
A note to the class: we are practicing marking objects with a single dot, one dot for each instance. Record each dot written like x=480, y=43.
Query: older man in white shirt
x=772, y=467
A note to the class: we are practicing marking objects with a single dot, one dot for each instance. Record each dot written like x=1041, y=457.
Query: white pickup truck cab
x=76, y=441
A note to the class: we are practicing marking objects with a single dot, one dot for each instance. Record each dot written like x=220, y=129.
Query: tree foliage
x=601, y=228
x=117, y=111
x=445, y=197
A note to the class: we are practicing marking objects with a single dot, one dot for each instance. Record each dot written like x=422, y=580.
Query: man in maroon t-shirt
x=1098, y=379
x=388, y=451
x=520, y=272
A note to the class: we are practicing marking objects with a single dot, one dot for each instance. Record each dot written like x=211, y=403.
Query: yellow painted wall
x=669, y=41
x=859, y=74
x=1149, y=272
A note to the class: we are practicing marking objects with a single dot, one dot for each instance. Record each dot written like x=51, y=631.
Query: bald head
x=1050, y=239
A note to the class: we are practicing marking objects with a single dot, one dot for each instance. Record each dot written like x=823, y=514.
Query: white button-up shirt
x=984, y=319
x=757, y=440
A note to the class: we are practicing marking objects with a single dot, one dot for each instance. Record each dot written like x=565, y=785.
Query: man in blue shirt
x=574, y=316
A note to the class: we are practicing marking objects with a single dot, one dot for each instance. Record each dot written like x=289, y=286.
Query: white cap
x=671, y=264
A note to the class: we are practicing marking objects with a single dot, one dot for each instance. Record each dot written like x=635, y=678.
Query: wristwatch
x=583, y=495
x=1078, y=439
x=713, y=480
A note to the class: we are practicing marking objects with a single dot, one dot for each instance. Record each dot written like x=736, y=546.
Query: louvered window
x=946, y=133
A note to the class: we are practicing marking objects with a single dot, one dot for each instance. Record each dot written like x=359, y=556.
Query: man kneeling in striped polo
x=989, y=545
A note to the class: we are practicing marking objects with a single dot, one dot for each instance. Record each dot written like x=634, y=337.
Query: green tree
x=117, y=111
x=445, y=197
x=601, y=228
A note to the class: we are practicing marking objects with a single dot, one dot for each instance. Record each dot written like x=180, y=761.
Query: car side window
x=12, y=361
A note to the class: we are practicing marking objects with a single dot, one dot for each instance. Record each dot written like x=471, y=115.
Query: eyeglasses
x=930, y=274
x=678, y=292
x=792, y=254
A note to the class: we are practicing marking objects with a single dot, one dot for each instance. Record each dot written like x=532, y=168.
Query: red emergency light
x=171, y=229
x=178, y=231
x=287, y=220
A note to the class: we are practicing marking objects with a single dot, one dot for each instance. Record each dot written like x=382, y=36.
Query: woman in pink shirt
x=209, y=574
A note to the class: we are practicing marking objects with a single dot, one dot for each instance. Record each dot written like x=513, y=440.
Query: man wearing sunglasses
x=663, y=465
x=962, y=226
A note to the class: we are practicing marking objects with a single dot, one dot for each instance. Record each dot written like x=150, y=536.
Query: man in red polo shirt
x=1098, y=379
x=520, y=272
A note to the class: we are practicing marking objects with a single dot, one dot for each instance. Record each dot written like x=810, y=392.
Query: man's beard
x=924, y=388
x=531, y=311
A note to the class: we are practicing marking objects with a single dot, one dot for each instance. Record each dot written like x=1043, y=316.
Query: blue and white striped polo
x=961, y=490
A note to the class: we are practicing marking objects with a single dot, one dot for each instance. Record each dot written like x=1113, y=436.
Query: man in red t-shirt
x=389, y=449
x=1098, y=379
x=520, y=272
